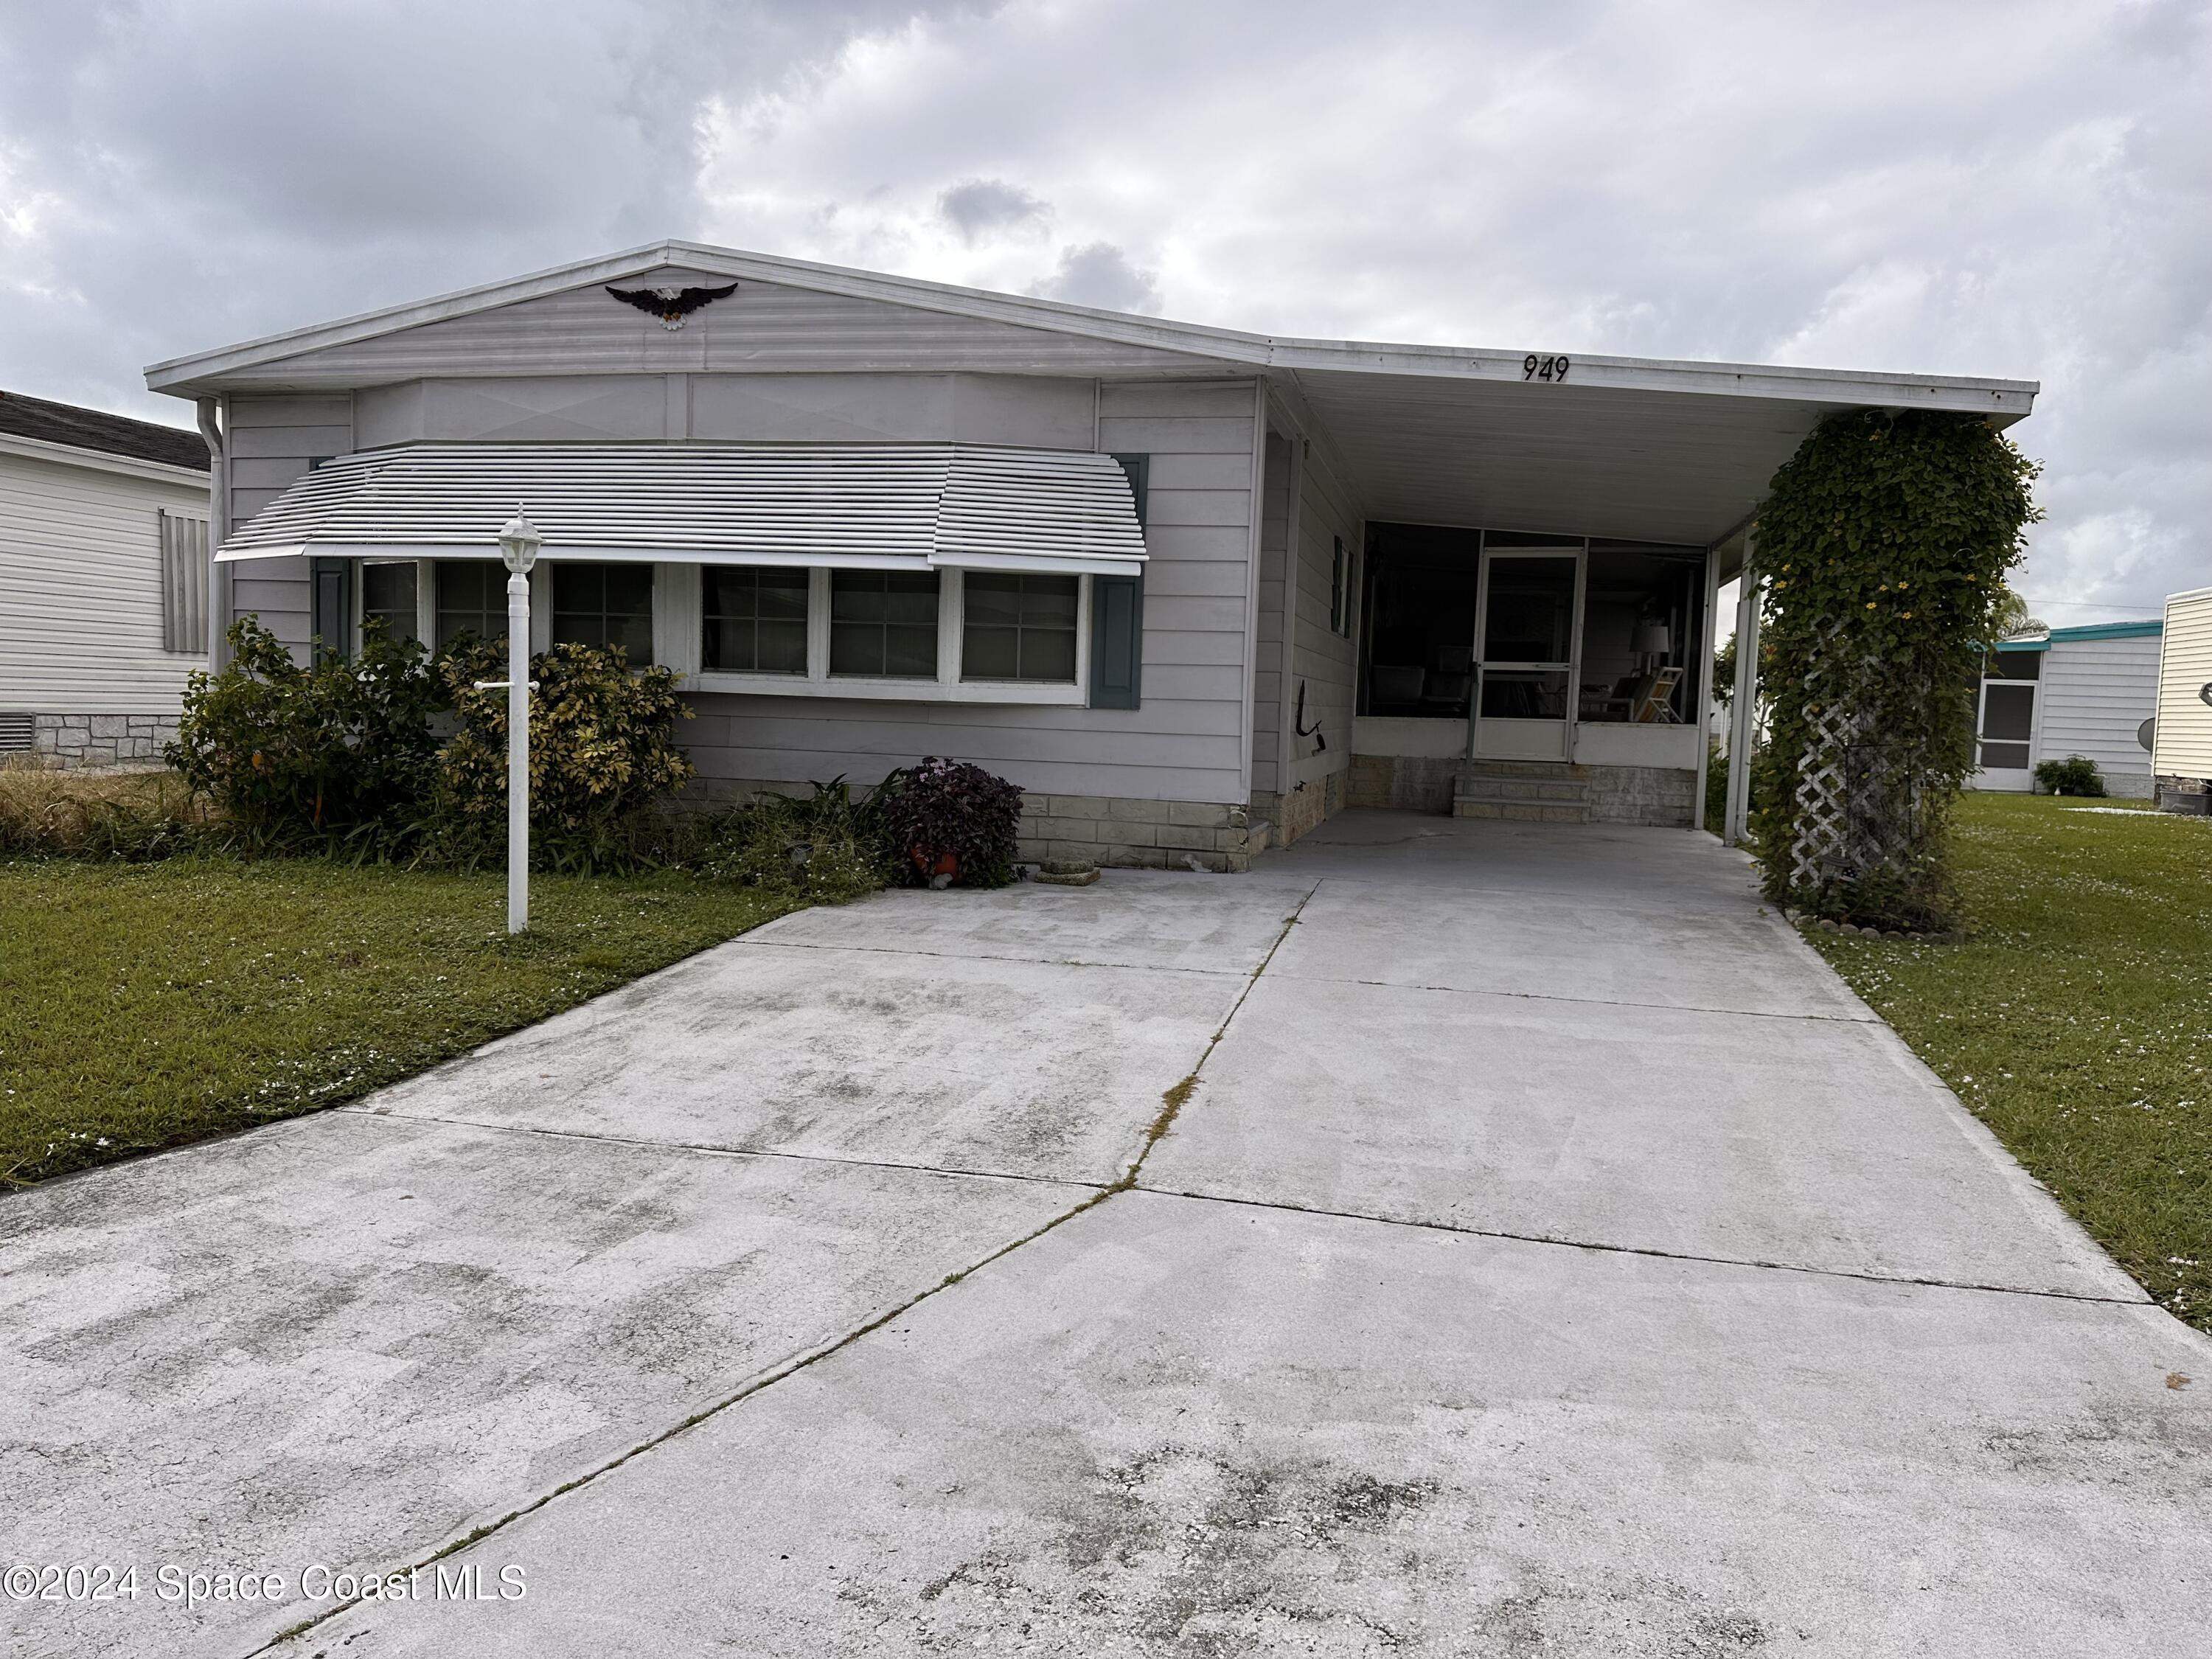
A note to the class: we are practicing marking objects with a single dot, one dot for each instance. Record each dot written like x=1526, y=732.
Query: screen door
x=1524, y=667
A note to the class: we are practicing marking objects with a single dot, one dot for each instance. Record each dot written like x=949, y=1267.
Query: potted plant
x=951, y=824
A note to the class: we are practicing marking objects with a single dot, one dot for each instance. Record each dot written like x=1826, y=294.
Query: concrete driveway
x=1548, y=1256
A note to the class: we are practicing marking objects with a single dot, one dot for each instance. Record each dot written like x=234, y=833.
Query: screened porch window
x=471, y=600
x=1019, y=627
x=756, y=620
x=605, y=604
x=883, y=624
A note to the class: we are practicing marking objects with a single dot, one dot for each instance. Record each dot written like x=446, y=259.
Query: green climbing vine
x=1886, y=538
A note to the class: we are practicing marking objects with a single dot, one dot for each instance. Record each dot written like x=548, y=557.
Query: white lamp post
x=518, y=549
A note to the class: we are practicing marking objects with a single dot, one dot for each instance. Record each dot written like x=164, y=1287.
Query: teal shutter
x=1117, y=618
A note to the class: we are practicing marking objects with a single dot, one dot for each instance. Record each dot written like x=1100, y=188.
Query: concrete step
x=1522, y=811
x=1482, y=787
x=1504, y=769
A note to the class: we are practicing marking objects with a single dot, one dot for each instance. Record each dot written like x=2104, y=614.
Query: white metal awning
x=871, y=506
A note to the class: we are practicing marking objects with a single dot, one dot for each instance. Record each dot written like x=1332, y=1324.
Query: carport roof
x=1675, y=451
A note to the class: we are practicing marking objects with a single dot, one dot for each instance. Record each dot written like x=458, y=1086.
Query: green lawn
x=2076, y=1020
x=146, y=1005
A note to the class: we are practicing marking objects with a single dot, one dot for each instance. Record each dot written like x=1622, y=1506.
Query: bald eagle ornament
x=671, y=305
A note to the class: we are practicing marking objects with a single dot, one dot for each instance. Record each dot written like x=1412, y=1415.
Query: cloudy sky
x=2018, y=189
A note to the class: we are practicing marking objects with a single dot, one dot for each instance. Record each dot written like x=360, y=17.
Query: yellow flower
x=1869, y=605
x=1908, y=615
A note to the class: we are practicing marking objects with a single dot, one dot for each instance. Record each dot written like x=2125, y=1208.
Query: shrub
x=828, y=849
x=602, y=749
x=2074, y=775
x=337, y=756
x=942, y=810
x=133, y=817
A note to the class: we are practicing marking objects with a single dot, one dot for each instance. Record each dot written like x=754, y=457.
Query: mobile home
x=1193, y=589
x=103, y=580
x=2089, y=691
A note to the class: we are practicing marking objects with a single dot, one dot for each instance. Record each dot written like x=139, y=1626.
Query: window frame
x=679, y=639
x=686, y=611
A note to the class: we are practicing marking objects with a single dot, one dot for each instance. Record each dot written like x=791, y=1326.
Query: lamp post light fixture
x=518, y=550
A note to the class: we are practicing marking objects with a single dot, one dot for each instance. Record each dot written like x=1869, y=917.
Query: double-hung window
x=387, y=596
x=756, y=620
x=1019, y=627
x=605, y=604
x=471, y=600
x=883, y=624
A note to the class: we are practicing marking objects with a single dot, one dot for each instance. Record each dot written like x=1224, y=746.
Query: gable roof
x=1187, y=346
x=73, y=428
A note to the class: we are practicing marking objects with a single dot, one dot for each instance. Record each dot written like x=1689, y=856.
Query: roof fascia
x=2010, y=400
x=101, y=460
x=2142, y=628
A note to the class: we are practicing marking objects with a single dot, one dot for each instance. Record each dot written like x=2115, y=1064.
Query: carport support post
x=1743, y=723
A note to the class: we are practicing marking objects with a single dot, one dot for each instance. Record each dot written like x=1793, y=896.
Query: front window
x=387, y=595
x=471, y=600
x=1018, y=628
x=883, y=624
x=756, y=620
x=605, y=604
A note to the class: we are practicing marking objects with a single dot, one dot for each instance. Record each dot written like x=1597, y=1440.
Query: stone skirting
x=1143, y=835
x=72, y=741
x=1304, y=809
x=1404, y=783
x=1661, y=797
x=1104, y=829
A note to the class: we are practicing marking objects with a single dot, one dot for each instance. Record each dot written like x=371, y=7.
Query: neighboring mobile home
x=2089, y=691
x=2181, y=755
x=103, y=580
x=1192, y=589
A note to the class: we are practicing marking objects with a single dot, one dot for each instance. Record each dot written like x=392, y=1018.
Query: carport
x=1547, y=539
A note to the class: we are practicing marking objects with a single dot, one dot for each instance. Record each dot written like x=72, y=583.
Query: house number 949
x=1533, y=368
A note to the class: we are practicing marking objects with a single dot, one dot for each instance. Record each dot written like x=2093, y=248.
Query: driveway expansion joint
x=1603, y=1248
x=1870, y=1019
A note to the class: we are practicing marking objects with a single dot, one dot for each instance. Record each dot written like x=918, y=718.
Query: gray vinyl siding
x=1187, y=740
x=2096, y=693
x=762, y=328
x=1037, y=412
x=81, y=589
x=1325, y=663
x=272, y=442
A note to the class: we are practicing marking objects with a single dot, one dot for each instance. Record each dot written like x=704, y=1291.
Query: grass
x=147, y=1005
x=2076, y=1019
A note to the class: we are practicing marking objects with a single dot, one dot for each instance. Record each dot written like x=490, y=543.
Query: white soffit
x=853, y=506
x=1573, y=459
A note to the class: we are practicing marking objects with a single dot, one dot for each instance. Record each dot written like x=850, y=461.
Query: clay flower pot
x=940, y=870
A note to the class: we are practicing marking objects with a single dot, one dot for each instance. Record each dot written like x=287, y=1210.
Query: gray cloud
x=2021, y=188
x=977, y=207
x=1101, y=275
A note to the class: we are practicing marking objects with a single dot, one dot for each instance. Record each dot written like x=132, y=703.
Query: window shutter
x=333, y=600
x=1117, y=617
x=184, y=584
